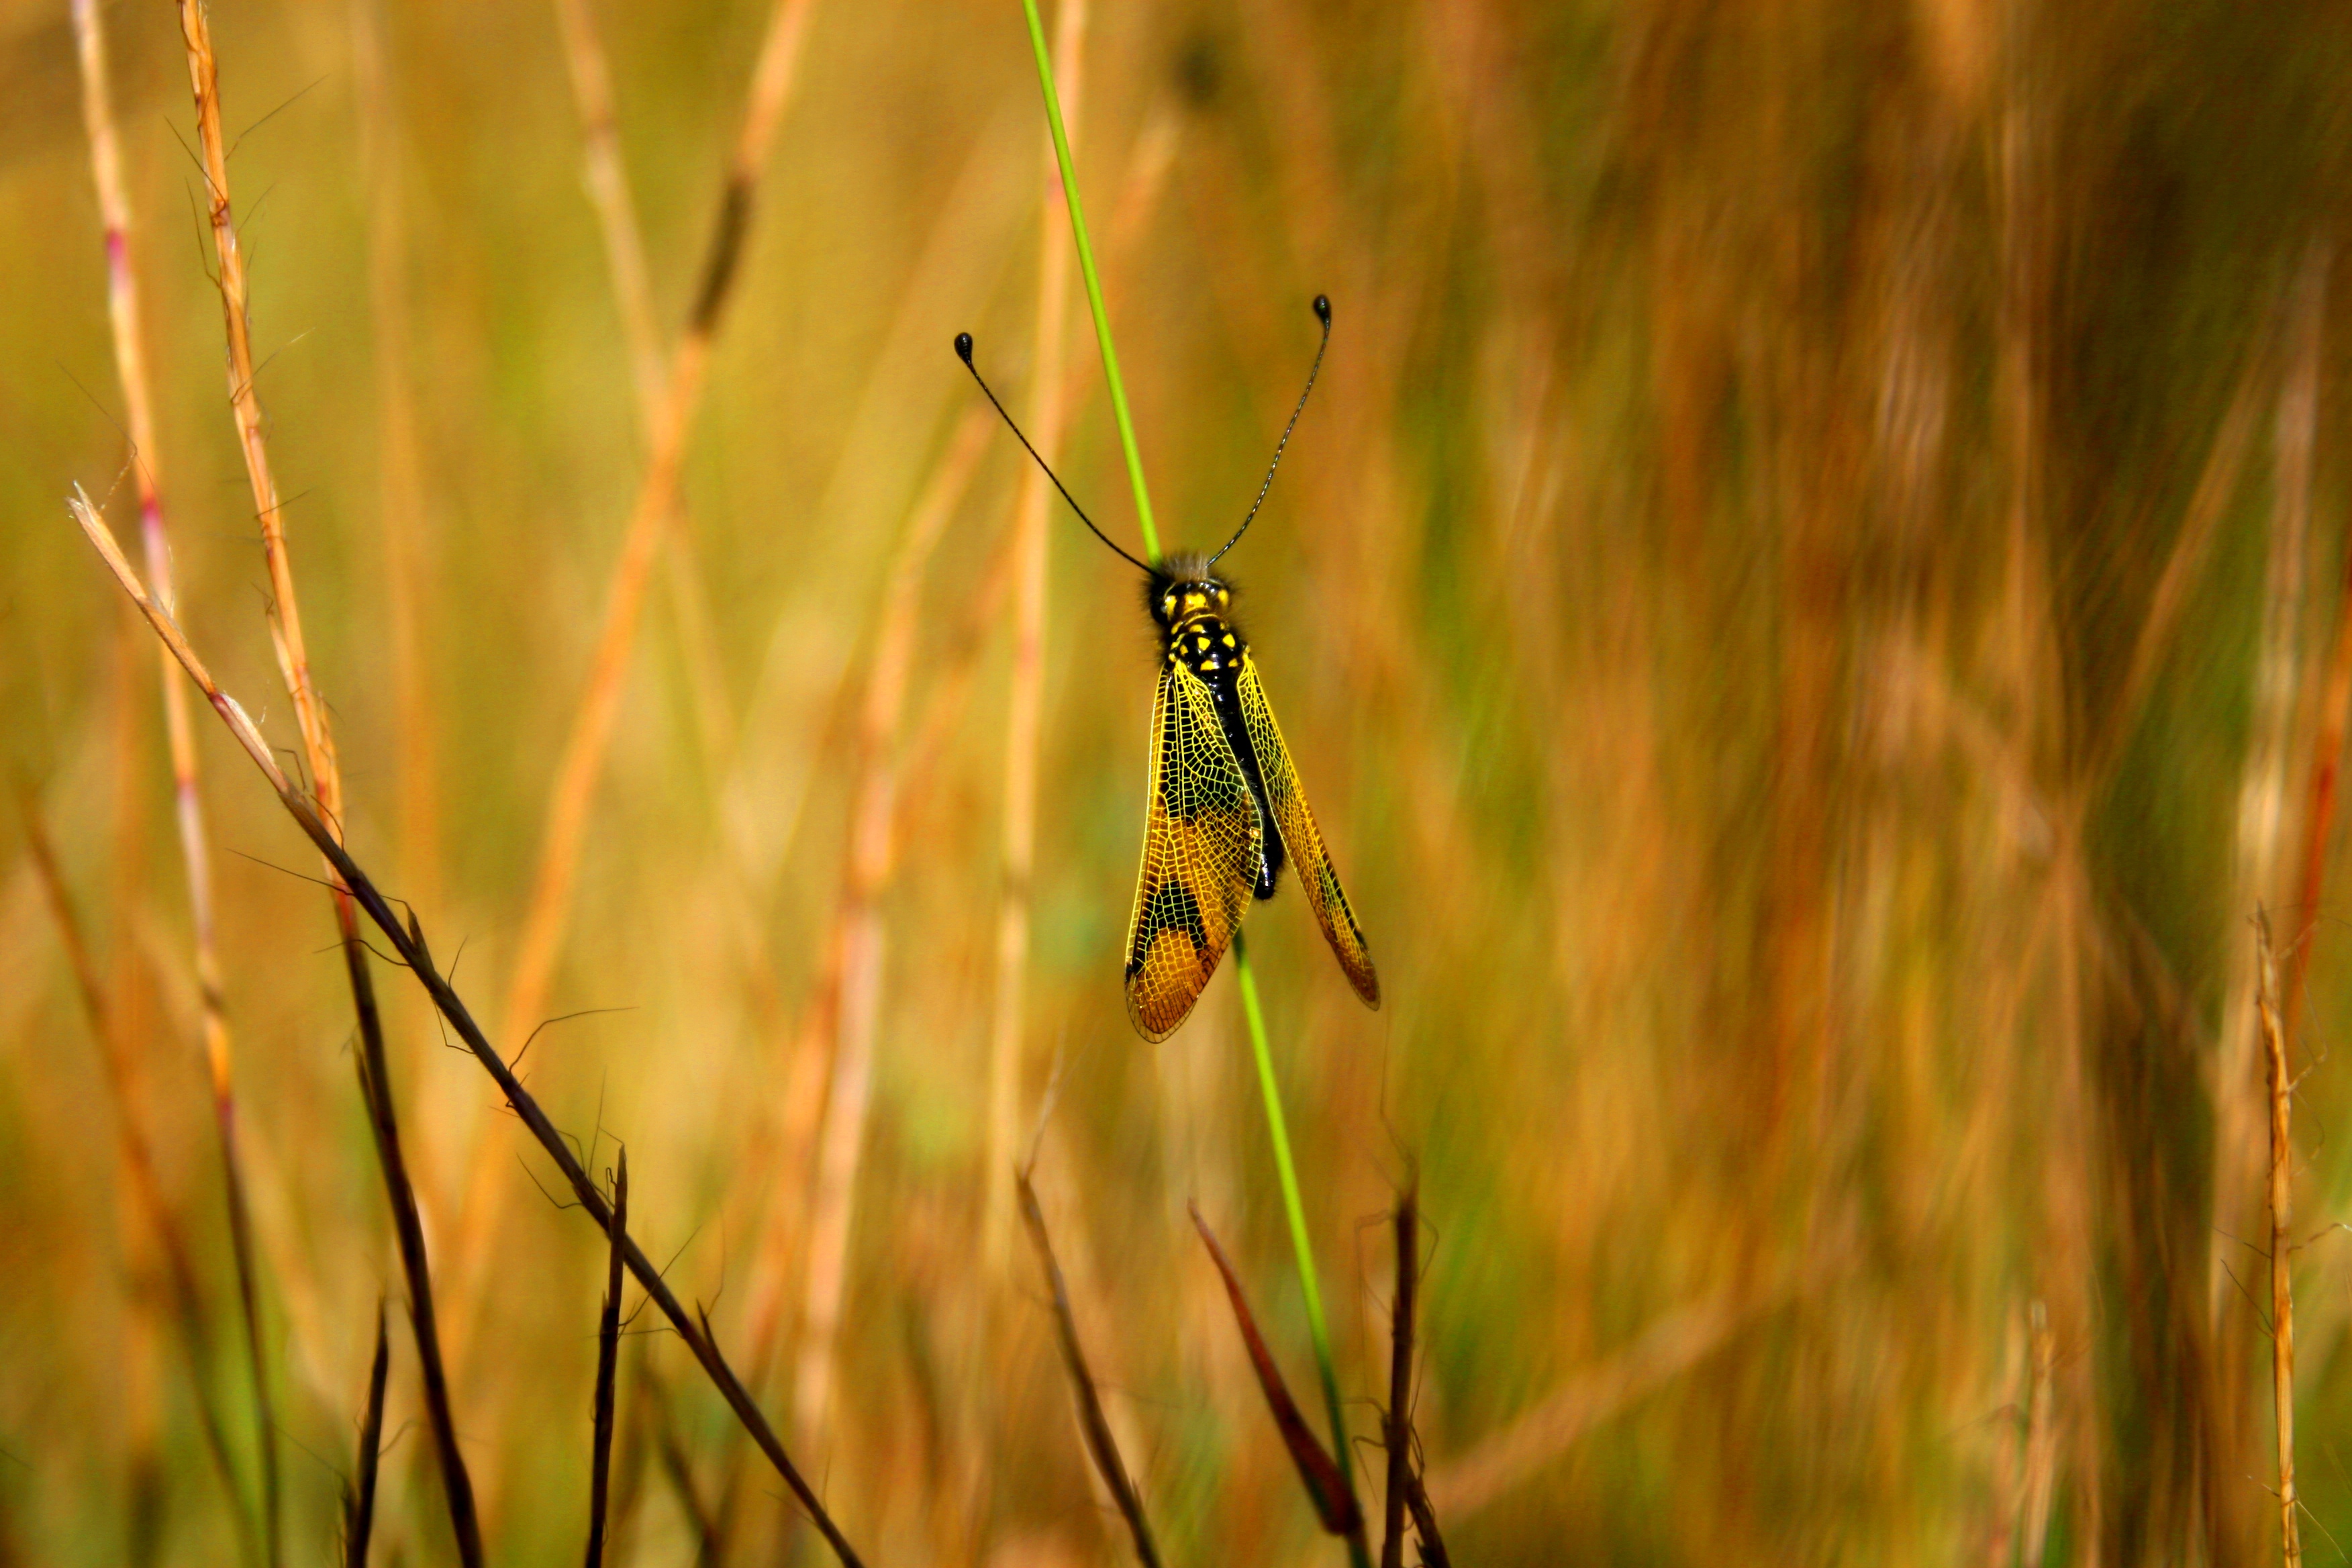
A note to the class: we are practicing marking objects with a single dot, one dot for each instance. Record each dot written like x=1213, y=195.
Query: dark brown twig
x=375, y=1093
x=1326, y=1487
x=1399, y=1426
x=359, y=1515
x=408, y=943
x=1424, y=1522
x=1101, y=1445
x=608, y=1356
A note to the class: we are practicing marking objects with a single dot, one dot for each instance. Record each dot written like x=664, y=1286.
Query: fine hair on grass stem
x=125, y=316
x=408, y=943
x=608, y=1358
x=1102, y=1447
x=359, y=1512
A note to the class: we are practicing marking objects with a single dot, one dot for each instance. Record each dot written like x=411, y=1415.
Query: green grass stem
x=1094, y=285
x=1292, y=1207
x=1296, y=1211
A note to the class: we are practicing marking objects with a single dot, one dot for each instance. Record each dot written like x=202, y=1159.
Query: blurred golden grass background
x=1807, y=602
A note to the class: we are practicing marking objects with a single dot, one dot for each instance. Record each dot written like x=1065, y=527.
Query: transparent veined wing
x=1200, y=856
x=1303, y=841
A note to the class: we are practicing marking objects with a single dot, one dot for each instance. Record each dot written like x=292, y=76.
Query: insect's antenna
x=1322, y=314
x=963, y=353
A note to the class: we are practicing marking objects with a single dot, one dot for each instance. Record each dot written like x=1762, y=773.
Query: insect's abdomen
x=1208, y=646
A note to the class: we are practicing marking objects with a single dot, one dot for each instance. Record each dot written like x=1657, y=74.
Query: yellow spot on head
x=1194, y=601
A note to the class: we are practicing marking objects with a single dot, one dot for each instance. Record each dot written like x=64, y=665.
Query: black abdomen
x=1224, y=688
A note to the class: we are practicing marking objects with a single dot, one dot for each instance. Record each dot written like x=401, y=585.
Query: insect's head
x=1181, y=587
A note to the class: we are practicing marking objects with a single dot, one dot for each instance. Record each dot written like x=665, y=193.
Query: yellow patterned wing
x=1303, y=840
x=1200, y=852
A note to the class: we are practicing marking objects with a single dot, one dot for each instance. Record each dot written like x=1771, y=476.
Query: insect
x=1225, y=809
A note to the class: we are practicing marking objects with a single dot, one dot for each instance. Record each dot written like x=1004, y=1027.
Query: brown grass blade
x=547, y=915
x=858, y=936
x=1101, y=1445
x=1398, y=1426
x=2282, y=1211
x=285, y=609
x=408, y=1227
x=359, y=1514
x=408, y=943
x=1327, y=1488
x=1025, y=708
x=608, y=1357
x=125, y=316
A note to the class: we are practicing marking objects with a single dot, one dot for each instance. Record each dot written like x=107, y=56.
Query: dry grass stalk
x=1024, y=711
x=858, y=938
x=547, y=915
x=319, y=750
x=2319, y=812
x=137, y=1156
x=1101, y=1445
x=616, y=209
x=1327, y=1485
x=2041, y=1437
x=408, y=943
x=400, y=500
x=607, y=180
x=1398, y=1426
x=285, y=608
x=608, y=1358
x=2282, y=1210
x=125, y=319
x=408, y=1228
x=359, y=1512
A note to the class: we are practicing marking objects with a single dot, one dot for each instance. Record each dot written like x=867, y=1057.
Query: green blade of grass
x=1094, y=285
x=1296, y=1211
x=1292, y=1207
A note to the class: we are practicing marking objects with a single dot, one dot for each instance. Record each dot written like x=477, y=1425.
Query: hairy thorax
x=1191, y=607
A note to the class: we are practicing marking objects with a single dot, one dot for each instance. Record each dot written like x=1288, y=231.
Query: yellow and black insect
x=1225, y=808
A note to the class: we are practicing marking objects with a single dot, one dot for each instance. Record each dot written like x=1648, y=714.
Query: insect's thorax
x=1191, y=615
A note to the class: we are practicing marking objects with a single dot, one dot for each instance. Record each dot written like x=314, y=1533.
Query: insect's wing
x=1200, y=858
x=1303, y=840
